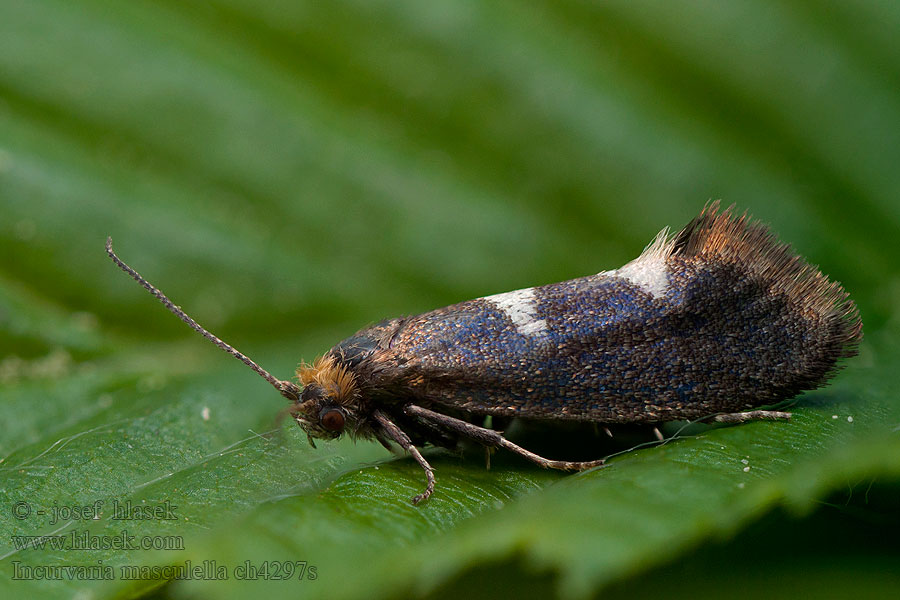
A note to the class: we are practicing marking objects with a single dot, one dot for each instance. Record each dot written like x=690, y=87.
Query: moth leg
x=753, y=415
x=493, y=439
x=379, y=435
x=439, y=437
x=397, y=434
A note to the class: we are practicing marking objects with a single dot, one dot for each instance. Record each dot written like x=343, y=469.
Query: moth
x=715, y=321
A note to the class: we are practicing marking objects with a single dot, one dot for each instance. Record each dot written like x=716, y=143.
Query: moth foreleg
x=753, y=415
x=379, y=435
x=397, y=434
x=491, y=438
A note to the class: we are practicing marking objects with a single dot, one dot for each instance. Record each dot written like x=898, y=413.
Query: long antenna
x=285, y=388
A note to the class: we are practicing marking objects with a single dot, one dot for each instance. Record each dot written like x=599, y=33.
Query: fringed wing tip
x=720, y=235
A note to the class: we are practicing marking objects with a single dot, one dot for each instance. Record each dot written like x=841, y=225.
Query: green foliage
x=289, y=172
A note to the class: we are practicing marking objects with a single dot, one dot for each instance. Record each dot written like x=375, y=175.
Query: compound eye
x=332, y=419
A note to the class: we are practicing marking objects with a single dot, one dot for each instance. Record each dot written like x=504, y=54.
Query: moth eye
x=332, y=419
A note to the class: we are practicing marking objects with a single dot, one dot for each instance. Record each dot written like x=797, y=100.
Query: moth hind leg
x=562, y=465
x=752, y=415
x=493, y=439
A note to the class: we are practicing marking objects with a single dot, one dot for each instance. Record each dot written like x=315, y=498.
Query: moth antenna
x=285, y=388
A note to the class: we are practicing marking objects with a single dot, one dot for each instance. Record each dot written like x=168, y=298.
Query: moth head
x=327, y=406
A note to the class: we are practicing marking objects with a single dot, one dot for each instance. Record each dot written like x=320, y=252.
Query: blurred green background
x=289, y=172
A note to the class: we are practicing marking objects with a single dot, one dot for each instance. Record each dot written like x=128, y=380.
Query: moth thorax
x=332, y=380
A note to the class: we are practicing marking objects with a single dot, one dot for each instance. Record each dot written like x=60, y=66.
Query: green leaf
x=291, y=171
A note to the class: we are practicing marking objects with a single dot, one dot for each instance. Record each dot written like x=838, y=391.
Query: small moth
x=715, y=321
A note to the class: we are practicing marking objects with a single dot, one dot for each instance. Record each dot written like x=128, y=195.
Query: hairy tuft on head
x=334, y=378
